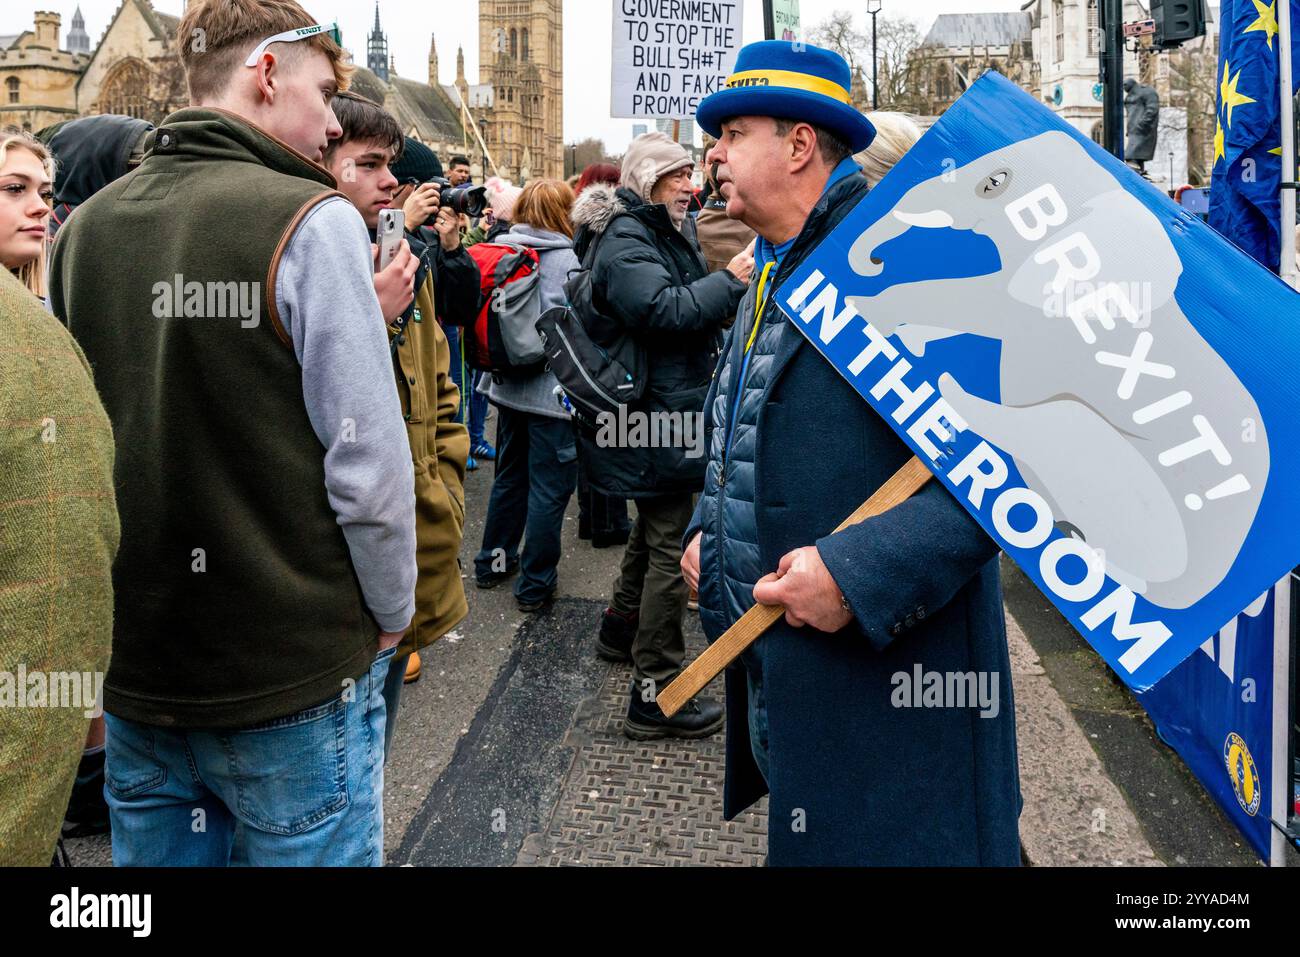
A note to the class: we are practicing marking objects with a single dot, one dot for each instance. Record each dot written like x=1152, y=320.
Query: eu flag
x=1244, y=197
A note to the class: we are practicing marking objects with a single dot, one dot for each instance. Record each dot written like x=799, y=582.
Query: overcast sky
x=410, y=23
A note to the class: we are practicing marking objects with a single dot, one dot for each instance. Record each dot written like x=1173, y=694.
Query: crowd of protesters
x=289, y=476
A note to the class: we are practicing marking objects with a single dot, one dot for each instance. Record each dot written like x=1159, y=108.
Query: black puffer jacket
x=649, y=281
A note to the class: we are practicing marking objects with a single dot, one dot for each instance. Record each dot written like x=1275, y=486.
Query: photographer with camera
x=432, y=205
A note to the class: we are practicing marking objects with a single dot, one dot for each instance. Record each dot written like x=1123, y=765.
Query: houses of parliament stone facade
x=517, y=108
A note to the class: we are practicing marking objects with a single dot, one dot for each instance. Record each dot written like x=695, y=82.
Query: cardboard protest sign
x=1103, y=381
x=785, y=20
x=670, y=54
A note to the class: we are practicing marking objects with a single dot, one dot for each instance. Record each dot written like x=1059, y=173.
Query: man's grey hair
x=833, y=149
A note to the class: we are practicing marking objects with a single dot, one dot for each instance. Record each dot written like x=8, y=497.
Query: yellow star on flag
x=1228, y=94
x=1267, y=21
x=1219, y=152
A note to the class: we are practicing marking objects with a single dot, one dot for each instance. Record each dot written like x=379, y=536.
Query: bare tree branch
x=896, y=39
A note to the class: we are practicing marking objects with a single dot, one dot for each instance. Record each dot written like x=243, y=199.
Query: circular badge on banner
x=1241, y=769
x=1098, y=91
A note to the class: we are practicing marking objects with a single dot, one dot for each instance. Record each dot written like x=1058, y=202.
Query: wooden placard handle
x=905, y=483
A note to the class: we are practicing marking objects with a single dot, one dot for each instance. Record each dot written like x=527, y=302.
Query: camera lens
x=468, y=201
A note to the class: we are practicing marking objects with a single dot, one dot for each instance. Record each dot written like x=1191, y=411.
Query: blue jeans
x=306, y=789
x=536, y=472
x=473, y=406
x=458, y=370
x=478, y=410
x=392, y=699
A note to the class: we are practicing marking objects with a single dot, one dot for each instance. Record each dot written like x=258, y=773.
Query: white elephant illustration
x=1107, y=420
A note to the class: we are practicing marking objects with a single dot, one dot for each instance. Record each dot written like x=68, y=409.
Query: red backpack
x=499, y=265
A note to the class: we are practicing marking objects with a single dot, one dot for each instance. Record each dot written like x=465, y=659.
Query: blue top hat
x=794, y=81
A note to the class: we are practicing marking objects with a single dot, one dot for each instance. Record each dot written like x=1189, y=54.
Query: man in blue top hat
x=858, y=771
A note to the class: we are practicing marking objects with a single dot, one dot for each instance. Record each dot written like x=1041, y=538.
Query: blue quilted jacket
x=853, y=778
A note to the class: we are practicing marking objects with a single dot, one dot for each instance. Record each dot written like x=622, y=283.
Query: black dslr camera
x=468, y=201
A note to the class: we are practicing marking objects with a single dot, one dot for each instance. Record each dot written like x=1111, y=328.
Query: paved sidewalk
x=630, y=803
x=1073, y=814
x=625, y=803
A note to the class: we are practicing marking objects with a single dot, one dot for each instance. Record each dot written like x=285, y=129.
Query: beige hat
x=649, y=159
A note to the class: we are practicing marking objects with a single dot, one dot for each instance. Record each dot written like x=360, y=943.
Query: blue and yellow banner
x=1245, y=198
x=1216, y=711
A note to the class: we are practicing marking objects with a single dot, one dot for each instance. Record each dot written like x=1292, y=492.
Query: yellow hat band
x=787, y=79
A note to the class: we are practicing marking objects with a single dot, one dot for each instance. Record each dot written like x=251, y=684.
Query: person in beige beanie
x=648, y=169
x=650, y=284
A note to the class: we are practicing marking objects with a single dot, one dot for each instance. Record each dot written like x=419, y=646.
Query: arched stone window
x=525, y=43
x=514, y=43
x=1097, y=133
x=126, y=92
x=12, y=86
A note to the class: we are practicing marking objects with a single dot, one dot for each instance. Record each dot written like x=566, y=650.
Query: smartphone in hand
x=392, y=227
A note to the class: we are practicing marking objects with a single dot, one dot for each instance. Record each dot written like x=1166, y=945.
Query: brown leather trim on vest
x=274, y=268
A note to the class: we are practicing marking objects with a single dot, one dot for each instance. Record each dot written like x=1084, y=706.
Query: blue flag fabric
x=1216, y=711
x=1245, y=204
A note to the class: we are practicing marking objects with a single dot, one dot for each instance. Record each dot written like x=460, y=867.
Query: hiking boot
x=698, y=718
x=412, y=669
x=617, y=632
x=535, y=607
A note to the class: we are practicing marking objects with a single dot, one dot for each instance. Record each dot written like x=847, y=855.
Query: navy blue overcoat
x=855, y=778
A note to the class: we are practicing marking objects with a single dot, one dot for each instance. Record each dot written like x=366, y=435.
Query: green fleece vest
x=236, y=601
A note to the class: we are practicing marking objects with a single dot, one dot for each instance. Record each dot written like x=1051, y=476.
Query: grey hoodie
x=536, y=394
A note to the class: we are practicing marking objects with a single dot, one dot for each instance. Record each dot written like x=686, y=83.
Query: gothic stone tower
x=377, y=49
x=521, y=53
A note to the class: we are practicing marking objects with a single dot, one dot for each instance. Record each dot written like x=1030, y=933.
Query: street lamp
x=873, y=8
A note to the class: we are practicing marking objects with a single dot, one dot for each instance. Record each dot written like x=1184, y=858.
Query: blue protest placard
x=1120, y=378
